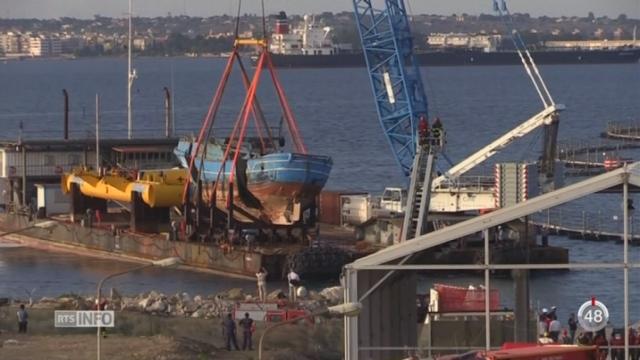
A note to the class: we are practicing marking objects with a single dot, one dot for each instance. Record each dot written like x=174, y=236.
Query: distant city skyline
x=151, y=8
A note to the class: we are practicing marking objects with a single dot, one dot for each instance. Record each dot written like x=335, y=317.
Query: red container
x=460, y=299
x=329, y=211
x=294, y=314
x=330, y=206
x=275, y=316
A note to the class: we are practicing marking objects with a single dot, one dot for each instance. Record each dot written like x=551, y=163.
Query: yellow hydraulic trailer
x=159, y=188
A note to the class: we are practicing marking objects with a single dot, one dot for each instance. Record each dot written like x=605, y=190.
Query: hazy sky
x=87, y=8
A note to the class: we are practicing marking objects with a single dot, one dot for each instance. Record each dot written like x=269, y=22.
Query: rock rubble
x=183, y=304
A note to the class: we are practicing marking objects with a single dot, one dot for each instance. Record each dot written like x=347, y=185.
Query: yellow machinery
x=159, y=188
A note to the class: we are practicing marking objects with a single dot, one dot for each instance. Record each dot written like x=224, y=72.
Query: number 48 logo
x=596, y=315
x=593, y=315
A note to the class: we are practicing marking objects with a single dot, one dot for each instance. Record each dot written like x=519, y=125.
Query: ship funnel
x=282, y=24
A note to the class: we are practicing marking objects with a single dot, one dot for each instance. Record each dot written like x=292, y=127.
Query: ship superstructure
x=311, y=38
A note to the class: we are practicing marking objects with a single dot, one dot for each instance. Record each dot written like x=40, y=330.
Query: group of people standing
x=229, y=330
x=246, y=324
x=608, y=339
x=426, y=135
x=550, y=330
x=612, y=340
x=293, y=280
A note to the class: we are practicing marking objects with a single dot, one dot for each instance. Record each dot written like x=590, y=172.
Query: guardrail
x=629, y=130
x=585, y=222
x=106, y=134
x=475, y=183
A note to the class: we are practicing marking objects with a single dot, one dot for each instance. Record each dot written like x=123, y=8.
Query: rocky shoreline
x=181, y=304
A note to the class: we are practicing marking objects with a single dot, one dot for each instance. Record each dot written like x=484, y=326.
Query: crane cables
x=500, y=6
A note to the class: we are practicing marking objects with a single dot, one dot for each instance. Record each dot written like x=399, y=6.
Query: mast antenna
x=131, y=74
x=238, y=19
x=264, y=22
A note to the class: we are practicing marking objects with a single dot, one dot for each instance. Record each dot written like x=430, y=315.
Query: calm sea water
x=335, y=110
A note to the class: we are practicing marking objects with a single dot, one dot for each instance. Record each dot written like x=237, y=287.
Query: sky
x=118, y=8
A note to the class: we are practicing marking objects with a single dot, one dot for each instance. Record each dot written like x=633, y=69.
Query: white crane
x=548, y=116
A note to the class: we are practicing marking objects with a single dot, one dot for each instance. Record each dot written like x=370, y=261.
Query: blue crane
x=401, y=102
x=395, y=77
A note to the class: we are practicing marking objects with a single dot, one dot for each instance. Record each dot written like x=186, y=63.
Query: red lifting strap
x=240, y=124
x=208, y=120
x=291, y=121
x=250, y=106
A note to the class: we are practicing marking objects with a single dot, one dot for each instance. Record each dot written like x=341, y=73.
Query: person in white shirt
x=554, y=329
x=294, y=282
x=262, y=284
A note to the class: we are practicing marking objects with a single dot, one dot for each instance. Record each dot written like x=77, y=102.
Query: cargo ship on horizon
x=311, y=46
x=468, y=58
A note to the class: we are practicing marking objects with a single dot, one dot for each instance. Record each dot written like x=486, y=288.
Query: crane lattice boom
x=395, y=77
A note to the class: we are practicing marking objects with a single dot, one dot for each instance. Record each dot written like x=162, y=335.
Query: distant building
x=599, y=33
x=38, y=46
x=465, y=41
x=25, y=43
x=70, y=44
x=55, y=46
x=140, y=43
x=10, y=43
x=44, y=45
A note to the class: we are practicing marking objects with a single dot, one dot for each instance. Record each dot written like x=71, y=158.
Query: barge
x=103, y=240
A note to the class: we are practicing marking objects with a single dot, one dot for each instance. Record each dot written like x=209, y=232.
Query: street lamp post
x=131, y=74
x=168, y=262
x=346, y=309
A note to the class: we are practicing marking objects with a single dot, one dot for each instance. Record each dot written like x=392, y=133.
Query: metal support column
x=24, y=175
x=98, y=133
x=350, y=284
x=131, y=74
x=487, y=293
x=66, y=114
x=521, y=283
x=168, y=112
x=625, y=238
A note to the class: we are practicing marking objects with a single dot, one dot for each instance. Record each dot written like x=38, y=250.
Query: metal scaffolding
x=394, y=258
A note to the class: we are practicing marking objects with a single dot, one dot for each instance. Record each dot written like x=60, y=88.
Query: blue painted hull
x=274, y=188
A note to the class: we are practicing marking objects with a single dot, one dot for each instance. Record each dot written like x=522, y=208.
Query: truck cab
x=394, y=199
